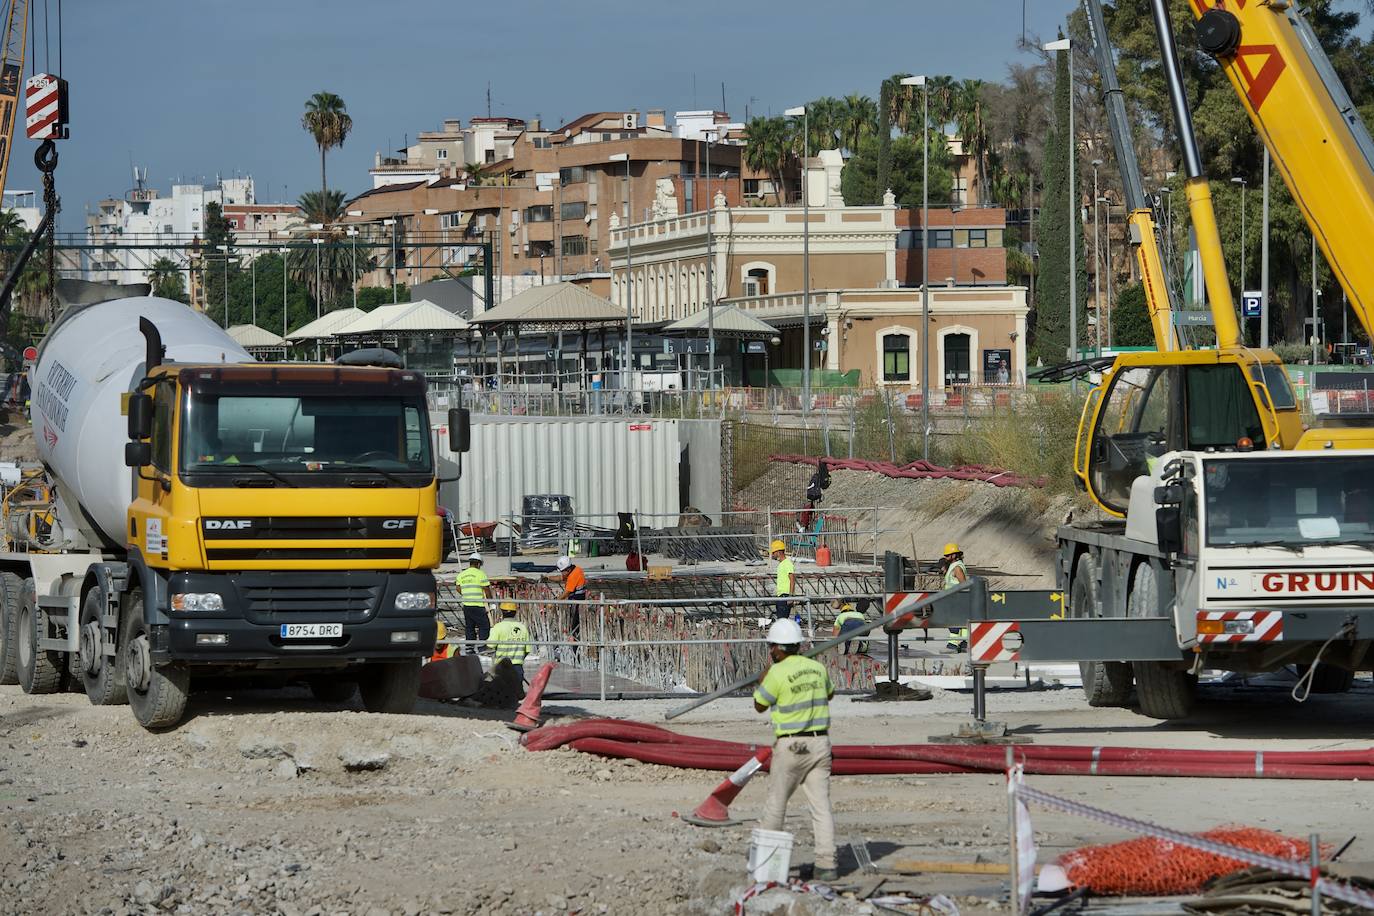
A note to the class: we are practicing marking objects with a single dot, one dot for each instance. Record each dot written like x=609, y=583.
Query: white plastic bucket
x=770, y=855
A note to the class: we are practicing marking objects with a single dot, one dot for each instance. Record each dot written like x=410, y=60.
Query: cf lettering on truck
x=262, y=518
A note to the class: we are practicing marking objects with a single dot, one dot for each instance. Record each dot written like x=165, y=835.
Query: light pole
x=806, y=257
x=710, y=270
x=226, y=285
x=629, y=271
x=925, y=260
x=1107, y=256
x=395, y=296
x=1066, y=44
x=1264, y=259
x=1097, y=255
x=253, y=271
x=283, y=293
x=353, y=264
x=319, y=289
x=1242, y=183
x=1316, y=337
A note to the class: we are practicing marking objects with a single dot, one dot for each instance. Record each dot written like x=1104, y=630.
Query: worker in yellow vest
x=474, y=591
x=798, y=690
x=848, y=618
x=786, y=584
x=510, y=639
x=952, y=565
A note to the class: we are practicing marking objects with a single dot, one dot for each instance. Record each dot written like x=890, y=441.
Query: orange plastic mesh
x=1149, y=866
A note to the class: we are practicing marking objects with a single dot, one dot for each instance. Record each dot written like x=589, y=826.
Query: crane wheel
x=1105, y=684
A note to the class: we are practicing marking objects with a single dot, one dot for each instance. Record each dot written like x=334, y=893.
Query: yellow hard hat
x=952, y=547
x=776, y=546
x=441, y=631
x=509, y=606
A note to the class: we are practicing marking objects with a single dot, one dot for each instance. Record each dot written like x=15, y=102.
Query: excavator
x=1233, y=396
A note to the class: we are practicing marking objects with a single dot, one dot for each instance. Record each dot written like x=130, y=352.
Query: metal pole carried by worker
x=797, y=691
x=952, y=565
x=475, y=591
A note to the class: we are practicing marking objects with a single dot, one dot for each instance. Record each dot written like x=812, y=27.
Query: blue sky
x=192, y=88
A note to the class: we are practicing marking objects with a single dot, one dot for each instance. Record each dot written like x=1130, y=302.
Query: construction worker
x=510, y=639
x=474, y=590
x=798, y=691
x=848, y=618
x=786, y=585
x=441, y=650
x=952, y=565
x=574, y=589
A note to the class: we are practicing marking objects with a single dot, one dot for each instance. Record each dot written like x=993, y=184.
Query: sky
x=199, y=88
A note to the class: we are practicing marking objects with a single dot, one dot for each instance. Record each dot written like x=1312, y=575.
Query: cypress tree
x=884, y=137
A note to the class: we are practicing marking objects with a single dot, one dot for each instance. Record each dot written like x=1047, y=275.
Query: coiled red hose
x=652, y=744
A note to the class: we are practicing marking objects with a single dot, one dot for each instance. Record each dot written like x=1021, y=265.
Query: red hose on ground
x=652, y=744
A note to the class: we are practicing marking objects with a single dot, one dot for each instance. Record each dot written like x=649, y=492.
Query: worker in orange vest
x=441, y=650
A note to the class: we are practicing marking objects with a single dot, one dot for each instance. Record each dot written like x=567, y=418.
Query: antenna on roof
x=488, y=98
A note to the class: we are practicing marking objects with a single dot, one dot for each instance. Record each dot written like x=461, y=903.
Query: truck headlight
x=198, y=601
x=415, y=601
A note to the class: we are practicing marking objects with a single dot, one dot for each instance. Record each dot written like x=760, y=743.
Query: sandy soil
x=248, y=807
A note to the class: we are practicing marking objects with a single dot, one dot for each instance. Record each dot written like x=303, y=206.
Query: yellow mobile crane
x=1234, y=396
x=14, y=22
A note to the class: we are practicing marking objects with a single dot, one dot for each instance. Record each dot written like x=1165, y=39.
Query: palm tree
x=942, y=92
x=167, y=280
x=901, y=104
x=326, y=119
x=859, y=120
x=769, y=144
x=321, y=206
x=968, y=120
x=474, y=172
x=825, y=120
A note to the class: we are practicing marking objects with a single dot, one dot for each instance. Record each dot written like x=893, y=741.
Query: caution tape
x=1327, y=887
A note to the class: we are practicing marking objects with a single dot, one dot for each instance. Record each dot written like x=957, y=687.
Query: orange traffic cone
x=715, y=810
x=527, y=716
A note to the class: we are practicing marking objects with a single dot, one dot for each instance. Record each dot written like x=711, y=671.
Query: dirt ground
x=275, y=803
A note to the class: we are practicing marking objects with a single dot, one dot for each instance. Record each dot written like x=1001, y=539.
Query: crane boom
x=1160, y=295
x=1313, y=132
x=12, y=44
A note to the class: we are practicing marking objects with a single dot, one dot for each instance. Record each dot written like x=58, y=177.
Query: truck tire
x=10, y=587
x=102, y=675
x=1104, y=683
x=336, y=691
x=40, y=670
x=1329, y=678
x=1164, y=692
x=391, y=687
x=156, y=694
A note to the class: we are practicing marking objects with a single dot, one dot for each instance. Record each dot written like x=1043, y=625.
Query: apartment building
x=446, y=152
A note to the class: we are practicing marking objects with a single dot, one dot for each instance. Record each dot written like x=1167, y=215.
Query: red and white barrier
x=1240, y=626
x=994, y=641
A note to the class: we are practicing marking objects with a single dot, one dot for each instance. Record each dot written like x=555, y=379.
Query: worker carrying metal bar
x=956, y=573
x=510, y=639
x=574, y=582
x=786, y=584
x=797, y=690
x=474, y=590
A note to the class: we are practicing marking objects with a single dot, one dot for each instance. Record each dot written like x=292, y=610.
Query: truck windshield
x=384, y=436
x=1328, y=498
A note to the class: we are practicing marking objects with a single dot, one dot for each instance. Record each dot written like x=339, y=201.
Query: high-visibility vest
x=472, y=583
x=950, y=579
x=798, y=692
x=511, y=639
x=846, y=616
x=784, y=581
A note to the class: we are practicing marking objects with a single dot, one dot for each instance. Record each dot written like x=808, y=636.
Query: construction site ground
x=271, y=802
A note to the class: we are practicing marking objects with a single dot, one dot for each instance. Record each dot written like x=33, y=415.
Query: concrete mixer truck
x=213, y=516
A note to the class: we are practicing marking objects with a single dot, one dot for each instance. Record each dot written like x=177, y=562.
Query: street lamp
x=1107, y=260
x=395, y=296
x=925, y=260
x=1242, y=183
x=319, y=289
x=800, y=111
x=283, y=292
x=1097, y=256
x=710, y=269
x=1066, y=44
x=629, y=272
x=353, y=267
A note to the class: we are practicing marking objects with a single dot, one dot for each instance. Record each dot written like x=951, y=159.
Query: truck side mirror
x=459, y=429
x=1169, y=528
x=138, y=454
x=140, y=416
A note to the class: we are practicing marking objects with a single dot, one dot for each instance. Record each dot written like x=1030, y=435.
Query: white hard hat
x=474, y=558
x=784, y=632
x=564, y=563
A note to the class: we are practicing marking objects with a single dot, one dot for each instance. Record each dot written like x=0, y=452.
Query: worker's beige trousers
x=803, y=762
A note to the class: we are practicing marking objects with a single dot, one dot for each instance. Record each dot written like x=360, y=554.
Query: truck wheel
x=40, y=670
x=1164, y=692
x=333, y=690
x=157, y=694
x=10, y=587
x=1104, y=683
x=102, y=674
x=1329, y=678
x=391, y=687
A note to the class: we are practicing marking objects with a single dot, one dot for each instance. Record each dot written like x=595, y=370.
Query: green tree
x=369, y=297
x=167, y=281
x=825, y=119
x=323, y=207
x=326, y=119
x=217, y=261
x=883, y=166
x=475, y=172
x=859, y=181
x=1131, y=325
x=769, y=144
x=859, y=120
x=1050, y=319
